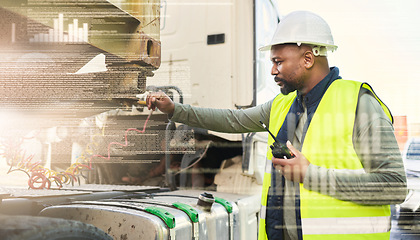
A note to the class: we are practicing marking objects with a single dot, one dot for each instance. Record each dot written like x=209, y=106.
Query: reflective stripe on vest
x=354, y=225
x=328, y=143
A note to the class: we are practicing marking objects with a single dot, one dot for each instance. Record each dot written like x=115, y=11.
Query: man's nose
x=274, y=70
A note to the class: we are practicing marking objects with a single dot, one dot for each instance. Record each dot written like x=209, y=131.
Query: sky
x=378, y=42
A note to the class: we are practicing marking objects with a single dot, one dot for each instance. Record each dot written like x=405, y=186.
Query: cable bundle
x=41, y=177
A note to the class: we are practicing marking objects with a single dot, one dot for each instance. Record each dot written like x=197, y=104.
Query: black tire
x=37, y=228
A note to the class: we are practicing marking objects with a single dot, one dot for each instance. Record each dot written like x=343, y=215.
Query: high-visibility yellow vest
x=329, y=143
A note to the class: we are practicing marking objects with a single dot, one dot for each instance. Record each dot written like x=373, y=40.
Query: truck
x=407, y=213
x=97, y=163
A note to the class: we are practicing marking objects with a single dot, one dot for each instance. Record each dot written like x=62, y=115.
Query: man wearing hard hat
x=345, y=167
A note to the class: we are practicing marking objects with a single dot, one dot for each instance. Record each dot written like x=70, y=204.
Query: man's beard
x=286, y=88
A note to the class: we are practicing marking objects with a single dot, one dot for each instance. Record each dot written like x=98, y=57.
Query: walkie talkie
x=278, y=149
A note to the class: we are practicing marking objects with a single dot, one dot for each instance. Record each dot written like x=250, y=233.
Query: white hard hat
x=303, y=27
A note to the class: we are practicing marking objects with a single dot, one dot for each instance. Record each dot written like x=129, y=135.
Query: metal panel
x=245, y=209
x=124, y=221
x=220, y=224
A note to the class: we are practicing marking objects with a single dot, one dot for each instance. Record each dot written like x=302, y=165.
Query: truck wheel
x=37, y=228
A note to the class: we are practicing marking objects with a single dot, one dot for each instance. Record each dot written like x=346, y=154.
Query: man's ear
x=308, y=59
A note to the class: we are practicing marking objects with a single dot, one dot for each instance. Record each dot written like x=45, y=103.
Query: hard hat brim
x=329, y=47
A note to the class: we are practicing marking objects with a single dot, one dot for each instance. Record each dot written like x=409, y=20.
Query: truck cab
x=92, y=157
x=210, y=53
